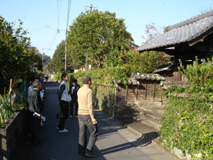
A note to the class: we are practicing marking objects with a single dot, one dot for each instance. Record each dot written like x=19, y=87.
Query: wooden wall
x=147, y=90
x=173, y=77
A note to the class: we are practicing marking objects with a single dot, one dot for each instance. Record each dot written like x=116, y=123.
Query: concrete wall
x=13, y=136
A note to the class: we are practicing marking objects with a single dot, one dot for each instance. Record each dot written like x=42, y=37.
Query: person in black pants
x=73, y=90
x=64, y=99
x=35, y=106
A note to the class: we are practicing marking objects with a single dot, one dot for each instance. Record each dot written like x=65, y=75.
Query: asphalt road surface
x=114, y=141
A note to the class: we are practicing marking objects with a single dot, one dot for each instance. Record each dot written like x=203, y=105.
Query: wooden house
x=184, y=41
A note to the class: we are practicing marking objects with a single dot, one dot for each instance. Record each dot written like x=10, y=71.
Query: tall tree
x=37, y=60
x=57, y=62
x=14, y=54
x=46, y=60
x=93, y=35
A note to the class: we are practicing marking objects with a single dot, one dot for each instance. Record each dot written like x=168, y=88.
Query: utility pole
x=68, y=13
x=87, y=64
x=43, y=56
x=65, y=52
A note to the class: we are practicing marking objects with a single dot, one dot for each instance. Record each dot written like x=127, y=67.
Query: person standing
x=42, y=93
x=30, y=88
x=29, y=114
x=43, y=96
x=64, y=99
x=86, y=120
x=73, y=90
x=35, y=106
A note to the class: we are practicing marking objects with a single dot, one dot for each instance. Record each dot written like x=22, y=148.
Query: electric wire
x=51, y=43
x=39, y=28
x=47, y=26
x=52, y=28
x=58, y=12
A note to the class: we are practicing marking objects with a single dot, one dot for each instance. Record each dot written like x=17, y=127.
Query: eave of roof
x=164, y=67
x=141, y=76
x=183, y=32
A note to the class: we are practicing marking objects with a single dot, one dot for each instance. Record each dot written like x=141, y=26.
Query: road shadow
x=55, y=145
x=64, y=146
x=148, y=134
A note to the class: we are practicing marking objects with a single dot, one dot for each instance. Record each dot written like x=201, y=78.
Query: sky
x=46, y=20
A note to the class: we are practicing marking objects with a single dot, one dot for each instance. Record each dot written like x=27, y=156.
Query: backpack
x=58, y=88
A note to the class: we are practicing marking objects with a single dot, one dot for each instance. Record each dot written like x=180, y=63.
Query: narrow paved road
x=114, y=142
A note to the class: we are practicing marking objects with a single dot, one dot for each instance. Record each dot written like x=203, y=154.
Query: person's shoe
x=91, y=154
x=76, y=116
x=70, y=115
x=81, y=155
x=63, y=131
x=57, y=128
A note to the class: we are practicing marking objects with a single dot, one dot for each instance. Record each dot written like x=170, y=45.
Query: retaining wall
x=13, y=136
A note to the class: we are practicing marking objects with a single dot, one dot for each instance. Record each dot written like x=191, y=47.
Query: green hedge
x=103, y=94
x=105, y=75
x=187, y=124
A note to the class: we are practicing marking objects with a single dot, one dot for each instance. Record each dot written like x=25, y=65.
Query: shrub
x=199, y=75
x=187, y=123
x=7, y=107
x=57, y=76
x=145, y=62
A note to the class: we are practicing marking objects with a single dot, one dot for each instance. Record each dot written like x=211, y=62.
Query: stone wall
x=103, y=97
x=13, y=135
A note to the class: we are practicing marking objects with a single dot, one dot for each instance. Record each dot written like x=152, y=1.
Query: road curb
x=155, y=142
x=144, y=137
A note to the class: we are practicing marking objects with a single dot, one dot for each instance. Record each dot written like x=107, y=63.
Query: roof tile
x=181, y=34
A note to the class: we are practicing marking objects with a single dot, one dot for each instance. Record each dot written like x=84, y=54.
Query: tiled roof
x=141, y=76
x=182, y=32
x=130, y=82
x=144, y=76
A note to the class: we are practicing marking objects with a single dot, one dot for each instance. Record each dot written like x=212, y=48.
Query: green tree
x=37, y=60
x=46, y=60
x=14, y=54
x=94, y=35
x=57, y=62
x=134, y=61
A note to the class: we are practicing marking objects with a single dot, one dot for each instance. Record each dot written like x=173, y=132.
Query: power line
x=38, y=28
x=52, y=42
x=47, y=26
x=58, y=11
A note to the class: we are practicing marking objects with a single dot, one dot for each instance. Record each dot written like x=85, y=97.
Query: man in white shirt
x=64, y=99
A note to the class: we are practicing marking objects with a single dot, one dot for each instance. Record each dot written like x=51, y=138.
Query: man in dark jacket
x=35, y=107
x=74, y=87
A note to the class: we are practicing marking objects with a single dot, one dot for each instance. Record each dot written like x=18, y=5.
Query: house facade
x=183, y=41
